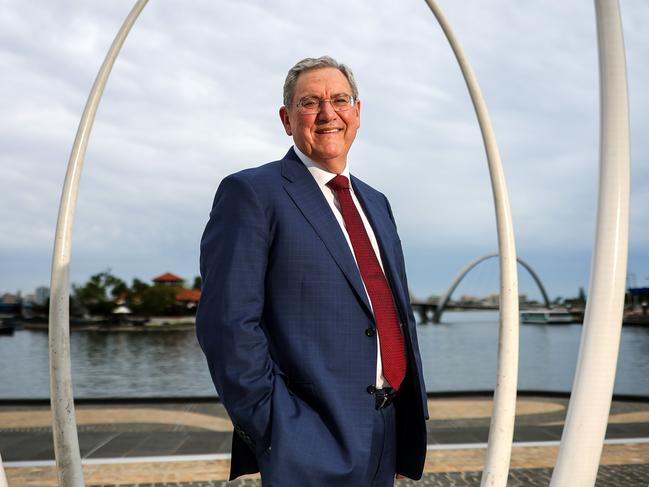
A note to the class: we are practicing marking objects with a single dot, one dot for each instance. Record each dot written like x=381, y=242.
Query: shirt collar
x=321, y=175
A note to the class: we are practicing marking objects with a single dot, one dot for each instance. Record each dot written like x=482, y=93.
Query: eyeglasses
x=311, y=104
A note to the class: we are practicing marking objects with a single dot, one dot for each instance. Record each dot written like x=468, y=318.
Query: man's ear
x=283, y=115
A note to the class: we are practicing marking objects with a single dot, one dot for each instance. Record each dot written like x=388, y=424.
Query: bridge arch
x=441, y=305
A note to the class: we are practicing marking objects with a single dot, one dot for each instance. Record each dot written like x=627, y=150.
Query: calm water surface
x=459, y=354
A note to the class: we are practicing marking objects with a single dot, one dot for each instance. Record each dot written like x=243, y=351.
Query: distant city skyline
x=194, y=96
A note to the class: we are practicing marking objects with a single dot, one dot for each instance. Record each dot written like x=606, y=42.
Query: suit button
x=371, y=389
x=370, y=332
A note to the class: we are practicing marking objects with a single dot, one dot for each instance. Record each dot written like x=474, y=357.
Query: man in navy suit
x=304, y=316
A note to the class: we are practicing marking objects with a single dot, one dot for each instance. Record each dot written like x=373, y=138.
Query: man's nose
x=327, y=111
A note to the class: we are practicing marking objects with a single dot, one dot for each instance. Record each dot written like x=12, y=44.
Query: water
x=459, y=354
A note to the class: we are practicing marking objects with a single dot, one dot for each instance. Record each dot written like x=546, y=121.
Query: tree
x=97, y=295
x=120, y=289
x=197, y=282
x=154, y=300
x=138, y=286
x=582, y=295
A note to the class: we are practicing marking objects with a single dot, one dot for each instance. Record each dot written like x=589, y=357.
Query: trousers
x=384, y=455
x=382, y=460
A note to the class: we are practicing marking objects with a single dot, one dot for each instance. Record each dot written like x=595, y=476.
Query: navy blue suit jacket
x=282, y=321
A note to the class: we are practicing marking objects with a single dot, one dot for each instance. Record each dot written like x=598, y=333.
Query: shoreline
x=152, y=325
x=184, y=323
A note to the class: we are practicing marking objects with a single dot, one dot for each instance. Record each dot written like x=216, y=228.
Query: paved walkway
x=187, y=443
x=609, y=475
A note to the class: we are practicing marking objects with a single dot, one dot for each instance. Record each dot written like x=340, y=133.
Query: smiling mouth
x=330, y=131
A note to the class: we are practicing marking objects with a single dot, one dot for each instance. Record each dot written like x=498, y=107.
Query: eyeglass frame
x=351, y=99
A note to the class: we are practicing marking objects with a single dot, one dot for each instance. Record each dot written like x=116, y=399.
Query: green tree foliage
x=197, y=282
x=138, y=286
x=153, y=300
x=578, y=302
x=582, y=295
x=97, y=296
x=104, y=292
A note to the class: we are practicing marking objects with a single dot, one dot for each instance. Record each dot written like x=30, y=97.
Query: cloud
x=194, y=96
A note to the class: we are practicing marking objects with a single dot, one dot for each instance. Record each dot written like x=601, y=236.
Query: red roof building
x=186, y=298
x=168, y=279
x=188, y=295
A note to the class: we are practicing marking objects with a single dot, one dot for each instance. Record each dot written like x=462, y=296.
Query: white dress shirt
x=322, y=177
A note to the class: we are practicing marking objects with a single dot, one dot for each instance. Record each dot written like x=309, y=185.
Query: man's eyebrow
x=318, y=96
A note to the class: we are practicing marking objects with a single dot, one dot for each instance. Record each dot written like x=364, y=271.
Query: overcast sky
x=195, y=93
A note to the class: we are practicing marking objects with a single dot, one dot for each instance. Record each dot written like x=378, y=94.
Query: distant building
x=639, y=291
x=169, y=279
x=41, y=295
x=10, y=303
x=187, y=298
x=10, y=299
x=491, y=300
x=467, y=299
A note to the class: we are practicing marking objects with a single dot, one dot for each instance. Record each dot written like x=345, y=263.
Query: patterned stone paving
x=170, y=427
x=608, y=476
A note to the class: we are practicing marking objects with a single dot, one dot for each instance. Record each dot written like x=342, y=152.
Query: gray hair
x=310, y=64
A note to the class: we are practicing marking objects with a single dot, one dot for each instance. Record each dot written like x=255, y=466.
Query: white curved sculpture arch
x=3, y=477
x=583, y=434
x=64, y=427
x=501, y=430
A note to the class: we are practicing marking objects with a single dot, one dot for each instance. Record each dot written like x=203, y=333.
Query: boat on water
x=6, y=328
x=636, y=319
x=546, y=316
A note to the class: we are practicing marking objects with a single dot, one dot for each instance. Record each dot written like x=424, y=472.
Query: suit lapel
x=376, y=213
x=308, y=197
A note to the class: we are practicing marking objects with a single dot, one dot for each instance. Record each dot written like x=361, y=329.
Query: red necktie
x=393, y=355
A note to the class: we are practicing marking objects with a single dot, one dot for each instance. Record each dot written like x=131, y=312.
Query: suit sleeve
x=233, y=261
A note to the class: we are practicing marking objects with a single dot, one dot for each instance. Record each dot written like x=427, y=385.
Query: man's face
x=325, y=136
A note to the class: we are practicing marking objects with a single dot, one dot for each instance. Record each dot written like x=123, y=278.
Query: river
x=458, y=355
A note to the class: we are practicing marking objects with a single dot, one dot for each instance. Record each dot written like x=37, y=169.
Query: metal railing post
x=501, y=431
x=64, y=427
x=587, y=417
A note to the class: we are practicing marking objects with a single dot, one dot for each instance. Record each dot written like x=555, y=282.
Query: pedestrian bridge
x=433, y=311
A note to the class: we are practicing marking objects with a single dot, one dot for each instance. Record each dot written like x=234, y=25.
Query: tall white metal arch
x=3, y=477
x=501, y=431
x=64, y=426
x=592, y=390
x=443, y=301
